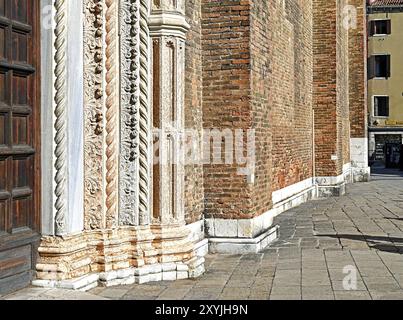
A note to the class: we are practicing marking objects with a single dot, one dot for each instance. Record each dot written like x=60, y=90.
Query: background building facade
x=385, y=92
x=270, y=94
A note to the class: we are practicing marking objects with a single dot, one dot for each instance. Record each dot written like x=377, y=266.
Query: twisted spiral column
x=61, y=116
x=144, y=169
x=112, y=114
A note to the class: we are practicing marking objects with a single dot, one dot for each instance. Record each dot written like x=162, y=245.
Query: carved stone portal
x=134, y=58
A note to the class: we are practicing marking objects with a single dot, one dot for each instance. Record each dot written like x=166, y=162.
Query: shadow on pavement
x=386, y=244
x=396, y=219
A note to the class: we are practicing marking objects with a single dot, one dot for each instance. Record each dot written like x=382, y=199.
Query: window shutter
x=388, y=27
x=371, y=28
x=387, y=107
x=371, y=67
x=388, y=66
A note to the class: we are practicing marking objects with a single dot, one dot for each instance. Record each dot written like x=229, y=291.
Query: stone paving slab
x=324, y=245
x=34, y=293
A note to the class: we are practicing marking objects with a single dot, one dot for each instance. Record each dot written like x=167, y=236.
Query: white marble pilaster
x=47, y=117
x=359, y=159
x=74, y=108
x=75, y=219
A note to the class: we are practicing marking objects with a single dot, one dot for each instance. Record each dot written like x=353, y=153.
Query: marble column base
x=156, y=272
x=120, y=257
x=361, y=174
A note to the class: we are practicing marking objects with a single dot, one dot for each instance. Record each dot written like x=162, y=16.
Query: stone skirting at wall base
x=295, y=200
x=336, y=190
x=361, y=174
x=124, y=256
x=334, y=186
x=243, y=245
x=252, y=235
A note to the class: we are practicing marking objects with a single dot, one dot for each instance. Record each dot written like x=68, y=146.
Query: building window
x=379, y=66
x=381, y=106
x=380, y=27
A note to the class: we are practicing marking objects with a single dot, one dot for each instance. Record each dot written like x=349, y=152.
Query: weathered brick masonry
x=194, y=193
x=339, y=92
x=282, y=68
x=226, y=99
x=261, y=105
x=257, y=73
x=358, y=93
x=357, y=73
x=330, y=88
x=287, y=75
x=342, y=61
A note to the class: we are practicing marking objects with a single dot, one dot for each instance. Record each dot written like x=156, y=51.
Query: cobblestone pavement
x=321, y=242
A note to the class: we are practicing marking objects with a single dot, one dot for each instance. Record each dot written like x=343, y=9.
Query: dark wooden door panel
x=19, y=138
x=15, y=261
x=2, y=42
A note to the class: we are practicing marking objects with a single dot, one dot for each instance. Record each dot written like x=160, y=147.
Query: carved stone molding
x=119, y=243
x=61, y=117
x=145, y=117
x=129, y=112
x=93, y=114
x=168, y=29
x=169, y=5
x=134, y=171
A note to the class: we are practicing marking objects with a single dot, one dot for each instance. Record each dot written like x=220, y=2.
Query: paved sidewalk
x=321, y=242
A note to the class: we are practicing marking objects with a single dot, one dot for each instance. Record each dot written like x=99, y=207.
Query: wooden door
x=19, y=142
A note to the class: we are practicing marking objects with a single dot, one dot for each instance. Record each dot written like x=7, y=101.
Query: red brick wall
x=358, y=71
x=290, y=90
x=226, y=99
x=281, y=50
x=194, y=192
x=331, y=103
x=257, y=73
x=342, y=74
x=261, y=47
x=266, y=66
